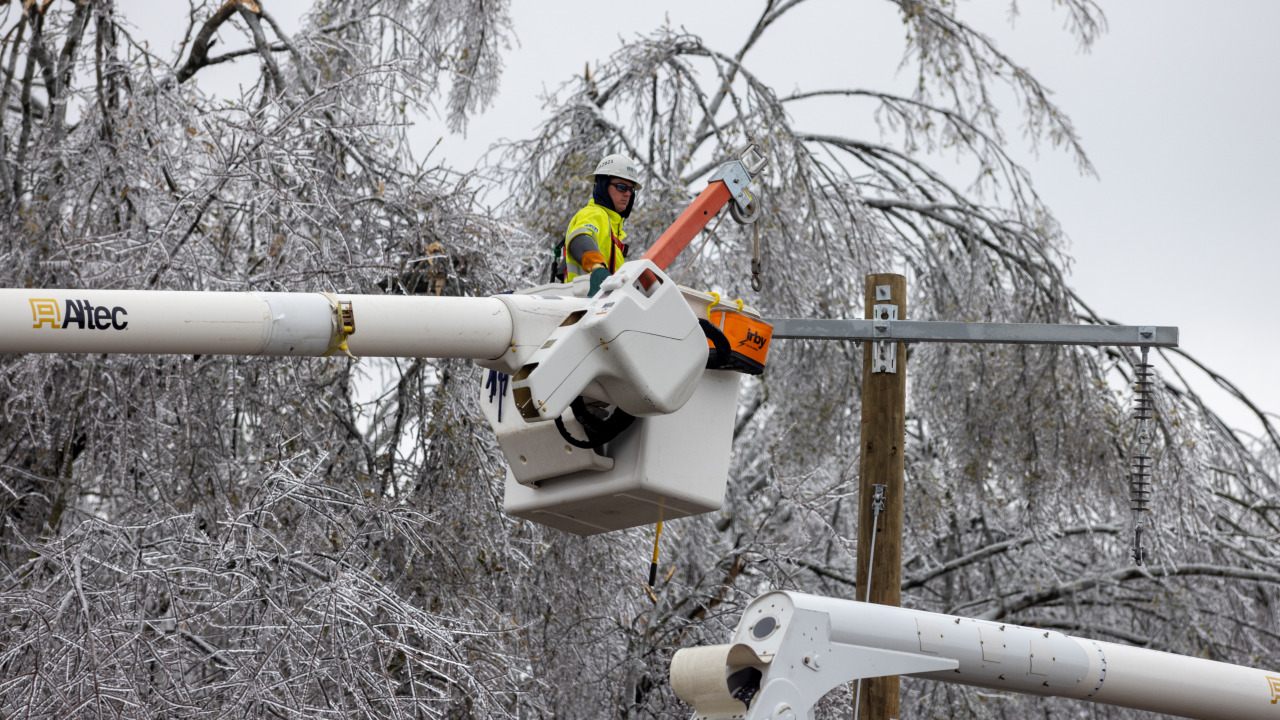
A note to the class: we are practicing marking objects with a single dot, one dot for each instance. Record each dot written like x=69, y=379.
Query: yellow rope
x=653, y=565
x=656, y=535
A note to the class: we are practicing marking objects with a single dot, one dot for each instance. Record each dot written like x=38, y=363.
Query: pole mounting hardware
x=884, y=352
x=877, y=499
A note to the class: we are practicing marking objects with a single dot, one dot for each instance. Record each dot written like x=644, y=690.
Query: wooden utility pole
x=884, y=407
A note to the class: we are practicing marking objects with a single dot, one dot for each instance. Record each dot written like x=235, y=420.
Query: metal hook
x=753, y=160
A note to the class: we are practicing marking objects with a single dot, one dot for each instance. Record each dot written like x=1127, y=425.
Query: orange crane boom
x=691, y=222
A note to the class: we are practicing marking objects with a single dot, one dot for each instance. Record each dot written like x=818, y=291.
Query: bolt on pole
x=884, y=406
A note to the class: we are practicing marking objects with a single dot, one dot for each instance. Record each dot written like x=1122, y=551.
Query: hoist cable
x=756, y=266
x=700, y=247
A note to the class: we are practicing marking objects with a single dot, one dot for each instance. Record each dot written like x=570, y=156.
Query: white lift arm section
x=252, y=323
x=639, y=348
x=790, y=649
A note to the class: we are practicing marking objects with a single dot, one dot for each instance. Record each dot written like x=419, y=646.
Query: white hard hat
x=619, y=166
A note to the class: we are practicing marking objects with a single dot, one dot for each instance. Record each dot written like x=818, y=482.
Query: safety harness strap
x=599, y=432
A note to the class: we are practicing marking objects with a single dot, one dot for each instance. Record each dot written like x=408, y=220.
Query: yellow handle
x=656, y=535
x=653, y=565
x=714, y=303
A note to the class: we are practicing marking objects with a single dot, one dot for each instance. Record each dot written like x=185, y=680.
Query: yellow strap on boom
x=345, y=324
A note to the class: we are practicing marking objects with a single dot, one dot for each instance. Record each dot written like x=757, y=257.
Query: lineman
x=594, y=242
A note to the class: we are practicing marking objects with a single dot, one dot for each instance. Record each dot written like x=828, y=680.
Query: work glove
x=597, y=276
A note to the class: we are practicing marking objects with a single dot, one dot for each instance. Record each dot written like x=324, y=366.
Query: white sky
x=1177, y=106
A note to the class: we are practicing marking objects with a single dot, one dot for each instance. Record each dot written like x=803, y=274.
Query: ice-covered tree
x=259, y=537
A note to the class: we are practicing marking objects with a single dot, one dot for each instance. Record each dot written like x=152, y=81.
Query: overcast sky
x=1177, y=106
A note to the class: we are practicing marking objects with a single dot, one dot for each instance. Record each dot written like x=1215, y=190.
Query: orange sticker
x=748, y=339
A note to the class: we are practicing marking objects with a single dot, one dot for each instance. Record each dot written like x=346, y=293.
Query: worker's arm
x=584, y=251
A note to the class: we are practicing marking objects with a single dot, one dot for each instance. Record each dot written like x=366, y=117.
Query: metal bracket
x=884, y=292
x=347, y=315
x=877, y=498
x=913, y=331
x=736, y=177
x=753, y=159
x=884, y=353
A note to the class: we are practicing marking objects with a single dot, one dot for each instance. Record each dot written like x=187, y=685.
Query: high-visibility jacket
x=602, y=225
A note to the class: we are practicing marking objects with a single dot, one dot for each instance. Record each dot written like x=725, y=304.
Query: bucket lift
x=645, y=348
x=644, y=352
x=631, y=349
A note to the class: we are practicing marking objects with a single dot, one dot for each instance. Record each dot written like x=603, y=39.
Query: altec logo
x=45, y=312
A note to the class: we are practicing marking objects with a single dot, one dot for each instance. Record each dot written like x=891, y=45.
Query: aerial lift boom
x=638, y=351
x=789, y=649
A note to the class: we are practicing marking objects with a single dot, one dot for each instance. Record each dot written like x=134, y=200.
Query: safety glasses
x=623, y=188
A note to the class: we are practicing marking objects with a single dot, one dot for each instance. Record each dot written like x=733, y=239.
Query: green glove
x=597, y=276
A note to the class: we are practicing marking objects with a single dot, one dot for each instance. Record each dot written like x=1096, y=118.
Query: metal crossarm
x=960, y=332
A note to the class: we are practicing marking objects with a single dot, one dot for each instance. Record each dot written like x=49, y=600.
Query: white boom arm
x=790, y=649
x=640, y=349
x=250, y=323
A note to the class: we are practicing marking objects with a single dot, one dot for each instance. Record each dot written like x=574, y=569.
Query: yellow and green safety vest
x=605, y=227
